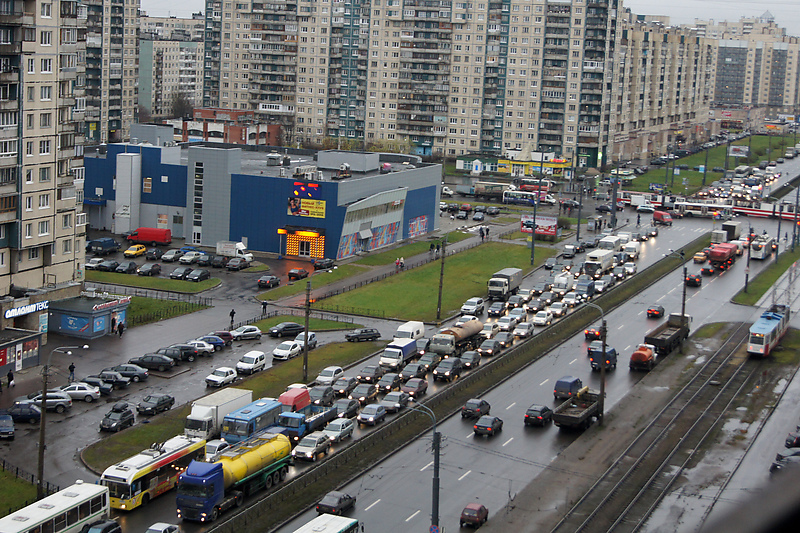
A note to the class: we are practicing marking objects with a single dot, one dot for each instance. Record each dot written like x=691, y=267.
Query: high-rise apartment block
x=112, y=69
x=172, y=28
x=169, y=71
x=42, y=226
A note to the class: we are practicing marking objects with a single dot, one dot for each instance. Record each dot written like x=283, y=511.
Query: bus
x=328, y=523
x=251, y=420
x=762, y=247
x=541, y=185
x=768, y=330
x=742, y=171
x=67, y=511
x=152, y=472
x=520, y=197
x=707, y=209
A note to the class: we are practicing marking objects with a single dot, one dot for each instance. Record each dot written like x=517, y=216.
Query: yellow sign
x=304, y=207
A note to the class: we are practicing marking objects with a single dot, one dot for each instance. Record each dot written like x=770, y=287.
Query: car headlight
x=371, y=419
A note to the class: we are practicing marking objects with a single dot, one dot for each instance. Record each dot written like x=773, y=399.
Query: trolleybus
x=328, y=523
x=67, y=511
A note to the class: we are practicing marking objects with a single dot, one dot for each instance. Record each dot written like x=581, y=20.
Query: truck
x=234, y=249
x=632, y=250
x=598, y=262
x=719, y=236
x=207, y=413
x=398, y=354
x=585, y=288
x=612, y=242
x=643, y=358
x=298, y=424
x=152, y=236
x=578, y=411
x=504, y=283
x=453, y=341
x=723, y=255
x=206, y=490
x=563, y=283
x=489, y=190
x=669, y=335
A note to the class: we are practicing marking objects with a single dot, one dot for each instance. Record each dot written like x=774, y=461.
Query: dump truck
x=504, y=283
x=453, y=341
x=205, y=490
x=578, y=411
x=670, y=334
x=723, y=255
x=207, y=413
x=643, y=358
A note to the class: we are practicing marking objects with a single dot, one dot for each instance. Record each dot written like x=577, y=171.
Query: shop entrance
x=304, y=249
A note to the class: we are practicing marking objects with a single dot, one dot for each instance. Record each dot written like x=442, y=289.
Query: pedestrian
x=397, y=264
x=432, y=249
x=113, y=324
x=402, y=263
x=263, y=307
x=10, y=377
x=638, y=219
x=120, y=328
x=71, y=372
x=487, y=232
x=233, y=314
x=786, y=237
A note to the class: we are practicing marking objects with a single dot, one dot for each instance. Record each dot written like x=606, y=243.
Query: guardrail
x=24, y=475
x=297, y=495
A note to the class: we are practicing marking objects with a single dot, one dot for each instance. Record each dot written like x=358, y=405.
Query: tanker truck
x=454, y=340
x=205, y=490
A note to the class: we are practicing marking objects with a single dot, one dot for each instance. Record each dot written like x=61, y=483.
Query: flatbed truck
x=578, y=411
x=669, y=335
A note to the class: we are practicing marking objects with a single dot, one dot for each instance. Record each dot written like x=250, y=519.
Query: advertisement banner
x=74, y=323
x=738, y=151
x=303, y=207
x=545, y=225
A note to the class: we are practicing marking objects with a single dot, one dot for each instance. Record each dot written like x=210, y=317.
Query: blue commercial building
x=296, y=203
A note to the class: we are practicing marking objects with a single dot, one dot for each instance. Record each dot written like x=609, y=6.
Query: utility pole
x=778, y=239
x=305, y=343
x=747, y=269
x=580, y=207
x=441, y=279
x=614, y=184
x=794, y=226
x=603, y=331
x=705, y=168
x=533, y=234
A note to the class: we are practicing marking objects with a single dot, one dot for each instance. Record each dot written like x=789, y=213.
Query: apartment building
x=172, y=28
x=169, y=70
x=112, y=69
x=42, y=77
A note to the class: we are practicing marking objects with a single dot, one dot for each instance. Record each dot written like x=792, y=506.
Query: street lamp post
x=603, y=331
x=42, y=423
x=747, y=270
x=437, y=438
x=683, y=280
x=533, y=233
x=580, y=207
x=441, y=279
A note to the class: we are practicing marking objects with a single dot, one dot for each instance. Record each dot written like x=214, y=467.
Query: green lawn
x=765, y=279
x=15, y=493
x=314, y=324
x=147, y=310
x=408, y=250
x=270, y=383
x=147, y=282
x=413, y=295
x=257, y=267
x=716, y=158
x=318, y=279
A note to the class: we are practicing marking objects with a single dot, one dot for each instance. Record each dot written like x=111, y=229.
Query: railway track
x=626, y=494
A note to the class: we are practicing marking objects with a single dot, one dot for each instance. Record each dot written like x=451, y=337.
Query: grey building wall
x=359, y=161
x=353, y=189
x=152, y=133
x=145, y=76
x=208, y=208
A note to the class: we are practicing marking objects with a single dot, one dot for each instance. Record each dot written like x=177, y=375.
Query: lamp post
x=437, y=438
x=533, y=233
x=683, y=280
x=441, y=279
x=750, y=237
x=580, y=208
x=45, y=371
x=603, y=331
x=794, y=226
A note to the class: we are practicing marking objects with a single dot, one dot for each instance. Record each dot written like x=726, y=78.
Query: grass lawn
x=270, y=383
x=408, y=250
x=413, y=294
x=765, y=279
x=708, y=330
x=261, y=267
x=788, y=351
x=318, y=279
x=314, y=324
x=503, y=220
x=147, y=310
x=15, y=493
x=147, y=282
x=716, y=158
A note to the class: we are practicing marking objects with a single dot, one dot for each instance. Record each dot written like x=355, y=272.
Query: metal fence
x=24, y=475
x=120, y=290
x=294, y=312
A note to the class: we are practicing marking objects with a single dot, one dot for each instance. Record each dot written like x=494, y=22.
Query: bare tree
x=144, y=115
x=181, y=106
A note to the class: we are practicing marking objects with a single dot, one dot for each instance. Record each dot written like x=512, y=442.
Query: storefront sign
x=27, y=309
x=125, y=300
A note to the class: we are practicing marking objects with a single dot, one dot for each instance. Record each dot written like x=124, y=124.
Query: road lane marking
x=509, y=440
x=640, y=312
x=628, y=347
x=671, y=290
x=426, y=466
x=468, y=472
x=572, y=361
x=543, y=382
x=510, y=406
x=373, y=504
x=412, y=516
x=662, y=297
x=470, y=435
x=622, y=326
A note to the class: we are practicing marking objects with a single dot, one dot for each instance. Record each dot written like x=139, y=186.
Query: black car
x=538, y=415
x=549, y=263
x=322, y=395
x=153, y=361
x=364, y=334
x=115, y=378
x=267, y=282
x=346, y=408
x=237, y=263
x=470, y=359
x=488, y=425
x=505, y=338
x=475, y=408
x=105, y=387
x=297, y=274
x=492, y=210
x=149, y=269
x=655, y=311
x=497, y=309
x=204, y=260
x=180, y=352
x=490, y=347
x=155, y=403
x=336, y=502
x=693, y=280
x=198, y=274
x=180, y=273
x=535, y=305
x=119, y=417
x=429, y=361
x=413, y=370
x=603, y=208
x=219, y=261
x=103, y=526
x=570, y=203
x=107, y=266
x=592, y=334
x=539, y=288
x=131, y=370
x=323, y=264
x=286, y=329
x=126, y=267
x=370, y=374
x=345, y=385
x=153, y=253
x=389, y=382
x=25, y=412
x=364, y=393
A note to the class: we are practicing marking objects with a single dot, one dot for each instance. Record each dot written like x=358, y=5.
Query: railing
x=24, y=475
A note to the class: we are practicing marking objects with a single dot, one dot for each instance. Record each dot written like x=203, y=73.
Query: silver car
x=81, y=391
x=339, y=429
x=56, y=400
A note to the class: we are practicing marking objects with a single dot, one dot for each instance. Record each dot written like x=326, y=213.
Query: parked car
x=346, y=407
x=363, y=334
x=220, y=377
x=155, y=403
x=171, y=256
x=119, y=417
x=248, y=332
x=115, y=378
x=149, y=269
x=236, y=263
x=214, y=340
x=189, y=258
x=267, y=282
x=7, y=430
x=297, y=274
x=323, y=264
x=153, y=361
x=109, y=265
x=287, y=350
x=104, y=387
x=395, y=401
x=339, y=429
x=488, y=425
x=220, y=261
x=81, y=391
x=93, y=263
x=475, y=408
x=135, y=251
x=286, y=329
x=131, y=370
x=55, y=400
x=198, y=274
x=153, y=253
x=179, y=352
x=538, y=415
x=204, y=260
x=180, y=273
x=22, y=413
x=372, y=414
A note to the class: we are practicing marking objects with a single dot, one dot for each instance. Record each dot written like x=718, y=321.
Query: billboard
x=303, y=207
x=736, y=150
x=545, y=225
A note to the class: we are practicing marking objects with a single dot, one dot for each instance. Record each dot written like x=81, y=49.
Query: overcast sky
x=786, y=12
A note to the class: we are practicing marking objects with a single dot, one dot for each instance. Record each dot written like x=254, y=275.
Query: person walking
x=433, y=248
x=437, y=251
x=263, y=307
x=71, y=372
x=638, y=219
x=232, y=314
x=120, y=328
x=113, y=324
x=10, y=377
x=402, y=263
x=481, y=233
x=487, y=232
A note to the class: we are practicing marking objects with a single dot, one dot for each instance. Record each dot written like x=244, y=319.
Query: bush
x=564, y=223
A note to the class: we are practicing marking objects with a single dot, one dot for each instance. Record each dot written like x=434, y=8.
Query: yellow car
x=136, y=250
x=700, y=257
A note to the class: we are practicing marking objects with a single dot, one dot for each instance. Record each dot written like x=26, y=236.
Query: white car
x=251, y=362
x=81, y=391
x=549, y=200
x=220, y=377
x=542, y=318
x=246, y=332
x=506, y=323
x=526, y=294
x=630, y=268
x=463, y=319
x=571, y=299
x=473, y=306
x=202, y=347
x=93, y=262
x=490, y=329
x=312, y=339
x=339, y=429
x=599, y=285
x=329, y=375
x=523, y=330
x=189, y=257
x=558, y=309
x=286, y=350
x=447, y=191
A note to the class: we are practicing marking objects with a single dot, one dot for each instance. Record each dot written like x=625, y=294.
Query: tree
x=144, y=115
x=181, y=106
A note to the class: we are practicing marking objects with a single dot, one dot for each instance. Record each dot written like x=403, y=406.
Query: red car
x=474, y=514
x=415, y=387
x=224, y=335
x=655, y=311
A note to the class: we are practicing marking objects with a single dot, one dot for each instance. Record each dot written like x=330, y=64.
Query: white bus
x=67, y=511
x=328, y=523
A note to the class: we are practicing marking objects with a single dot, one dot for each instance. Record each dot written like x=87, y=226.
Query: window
x=47, y=65
x=47, y=10
x=148, y=185
x=66, y=221
x=44, y=227
x=28, y=230
x=46, y=38
x=44, y=201
x=33, y=253
x=46, y=92
x=44, y=174
x=45, y=120
x=44, y=147
x=67, y=247
x=29, y=203
x=31, y=66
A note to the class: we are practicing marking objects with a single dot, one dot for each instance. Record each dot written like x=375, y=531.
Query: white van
x=410, y=330
x=251, y=362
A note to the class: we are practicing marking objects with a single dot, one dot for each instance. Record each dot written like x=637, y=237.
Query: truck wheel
x=153, y=244
x=214, y=514
x=239, y=501
x=268, y=482
x=276, y=478
x=284, y=472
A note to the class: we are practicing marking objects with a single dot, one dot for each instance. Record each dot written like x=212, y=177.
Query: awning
x=94, y=201
x=365, y=234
